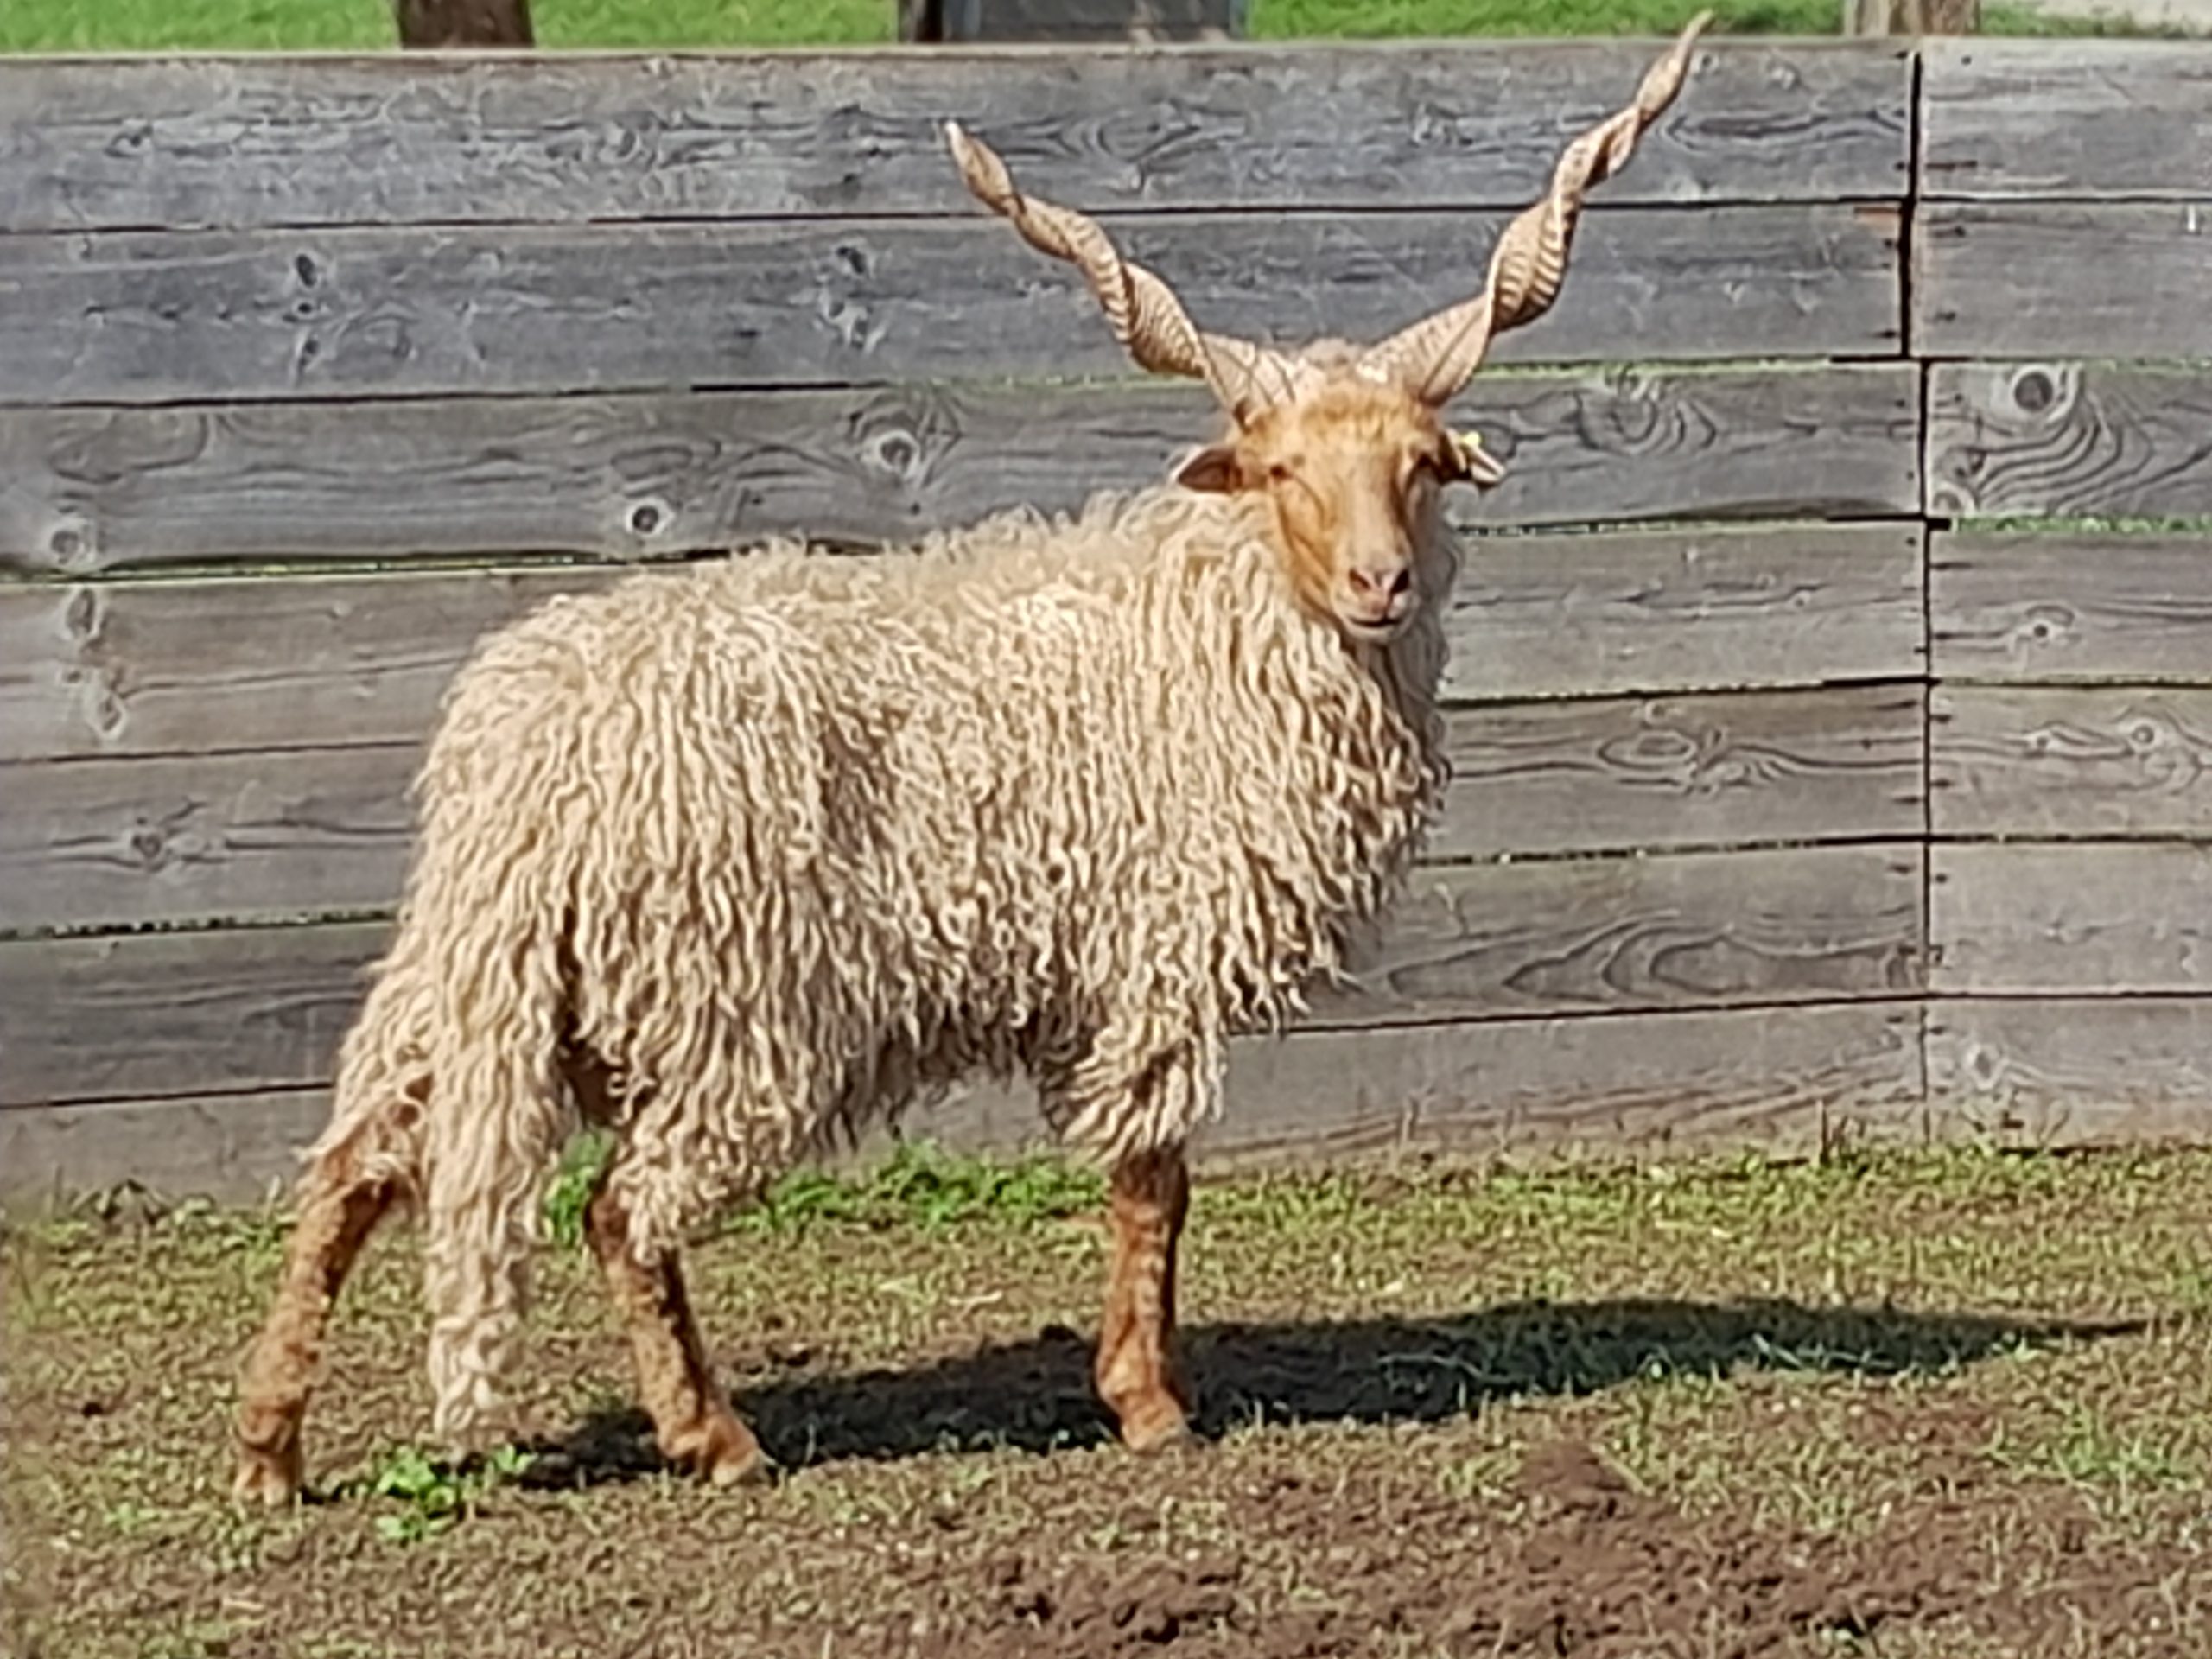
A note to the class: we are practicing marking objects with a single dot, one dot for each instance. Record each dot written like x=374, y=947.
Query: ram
x=741, y=863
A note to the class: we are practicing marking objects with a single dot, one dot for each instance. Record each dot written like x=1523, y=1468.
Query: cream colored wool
x=790, y=841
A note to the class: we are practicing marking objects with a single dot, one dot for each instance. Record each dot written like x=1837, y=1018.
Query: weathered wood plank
x=150, y=318
x=2068, y=606
x=2072, y=1071
x=155, y=667
x=89, y=844
x=1678, y=610
x=261, y=1007
x=231, y=1148
x=1790, y=1081
x=1715, y=929
x=2072, y=761
x=85, y=490
x=2087, y=916
x=2070, y=439
x=246, y=662
x=1717, y=768
x=127, y=1016
x=210, y=142
x=2096, y=119
x=2044, y=279
x=267, y=835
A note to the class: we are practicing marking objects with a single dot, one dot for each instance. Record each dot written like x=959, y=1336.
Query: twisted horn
x=1145, y=316
x=1434, y=357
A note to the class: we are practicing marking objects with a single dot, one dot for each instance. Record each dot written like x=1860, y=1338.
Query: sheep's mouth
x=1375, y=631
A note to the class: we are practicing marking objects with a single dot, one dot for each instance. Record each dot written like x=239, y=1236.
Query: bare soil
x=1946, y=1405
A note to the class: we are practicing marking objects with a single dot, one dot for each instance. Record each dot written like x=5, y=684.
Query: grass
x=358, y=25
x=1973, y=1389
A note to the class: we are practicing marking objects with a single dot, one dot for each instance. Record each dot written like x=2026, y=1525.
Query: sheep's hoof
x=724, y=1451
x=268, y=1475
x=1163, y=1429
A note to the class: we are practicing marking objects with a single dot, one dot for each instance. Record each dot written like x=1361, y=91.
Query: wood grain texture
x=1719, y=768
x=2063, y=605
x=1789, y=1081
x=1612, y=935
x=157, y=667
x=89, y=490
x=2084, y=917
x=1668, y=610
x=2070, y=439
x=248, y=662
x=141, y=318
x=2072, y=1071
x=2044, y=279
x=2072, y=761
x=129, y=1016
x=244, y=142
x=89, y=844
x=230, y=1148
x=105, y=1017
x=272, y=835
x=2093, y=118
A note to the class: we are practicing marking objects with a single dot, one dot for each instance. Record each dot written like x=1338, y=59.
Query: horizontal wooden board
x=134, y=1015
x=231, y=1148
x=1714, y=768
x=1711, y=930
x=385, y=139
x=2072, y=761
x=2071, y=1071
x=167, y=666
x=2044, y=279
x=150, y=318
x=161, y=667
x=2066, y=605
x=1789, y=1081
x=2094, y=119
x=2068, y=439
x=269, y=835
x=1671, y=610
x=109, y=1017
x=91, y=843
x=85, y=490
x=2081, y=917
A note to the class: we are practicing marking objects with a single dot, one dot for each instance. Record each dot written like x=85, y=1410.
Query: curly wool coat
x=779, y=844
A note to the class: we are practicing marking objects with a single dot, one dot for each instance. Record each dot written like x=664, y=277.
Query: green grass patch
x=366, y=25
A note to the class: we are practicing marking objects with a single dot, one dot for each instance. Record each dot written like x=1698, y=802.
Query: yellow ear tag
x=1475, y=460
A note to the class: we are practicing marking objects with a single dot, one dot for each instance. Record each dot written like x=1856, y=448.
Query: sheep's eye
x=1279, y=473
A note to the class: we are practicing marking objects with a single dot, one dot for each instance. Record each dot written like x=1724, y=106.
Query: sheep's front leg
x=692, y=1420
x=1137, y=1372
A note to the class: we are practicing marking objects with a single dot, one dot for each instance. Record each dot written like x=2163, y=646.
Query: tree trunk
x=432, y=23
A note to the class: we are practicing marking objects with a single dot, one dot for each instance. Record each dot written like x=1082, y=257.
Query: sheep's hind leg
x=343, y=1195
x=692, y=1419
x=1137, y=1373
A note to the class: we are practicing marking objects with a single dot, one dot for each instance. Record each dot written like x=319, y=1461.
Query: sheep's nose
x=1385, y=581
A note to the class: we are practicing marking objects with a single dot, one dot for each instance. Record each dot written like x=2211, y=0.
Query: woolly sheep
x=742, y=861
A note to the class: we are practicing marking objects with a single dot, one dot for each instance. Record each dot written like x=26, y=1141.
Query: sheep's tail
x=498, y=1115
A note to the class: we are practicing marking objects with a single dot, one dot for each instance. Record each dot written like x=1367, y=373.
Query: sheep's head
x=1347, y=444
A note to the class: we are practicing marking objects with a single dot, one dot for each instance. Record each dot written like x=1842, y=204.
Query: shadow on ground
x=1036, y=1393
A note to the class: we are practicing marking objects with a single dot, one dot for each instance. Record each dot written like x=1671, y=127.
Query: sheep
x=742, y=862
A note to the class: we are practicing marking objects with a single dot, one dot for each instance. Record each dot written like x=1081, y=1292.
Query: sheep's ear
x=1212, y=469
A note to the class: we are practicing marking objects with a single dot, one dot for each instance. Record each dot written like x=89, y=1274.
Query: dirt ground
x=1951, y=1406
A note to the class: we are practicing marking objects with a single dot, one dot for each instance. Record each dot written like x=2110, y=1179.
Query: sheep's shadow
x=1036, y=1393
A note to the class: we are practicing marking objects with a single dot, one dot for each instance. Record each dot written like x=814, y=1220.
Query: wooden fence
x=1833, y=680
